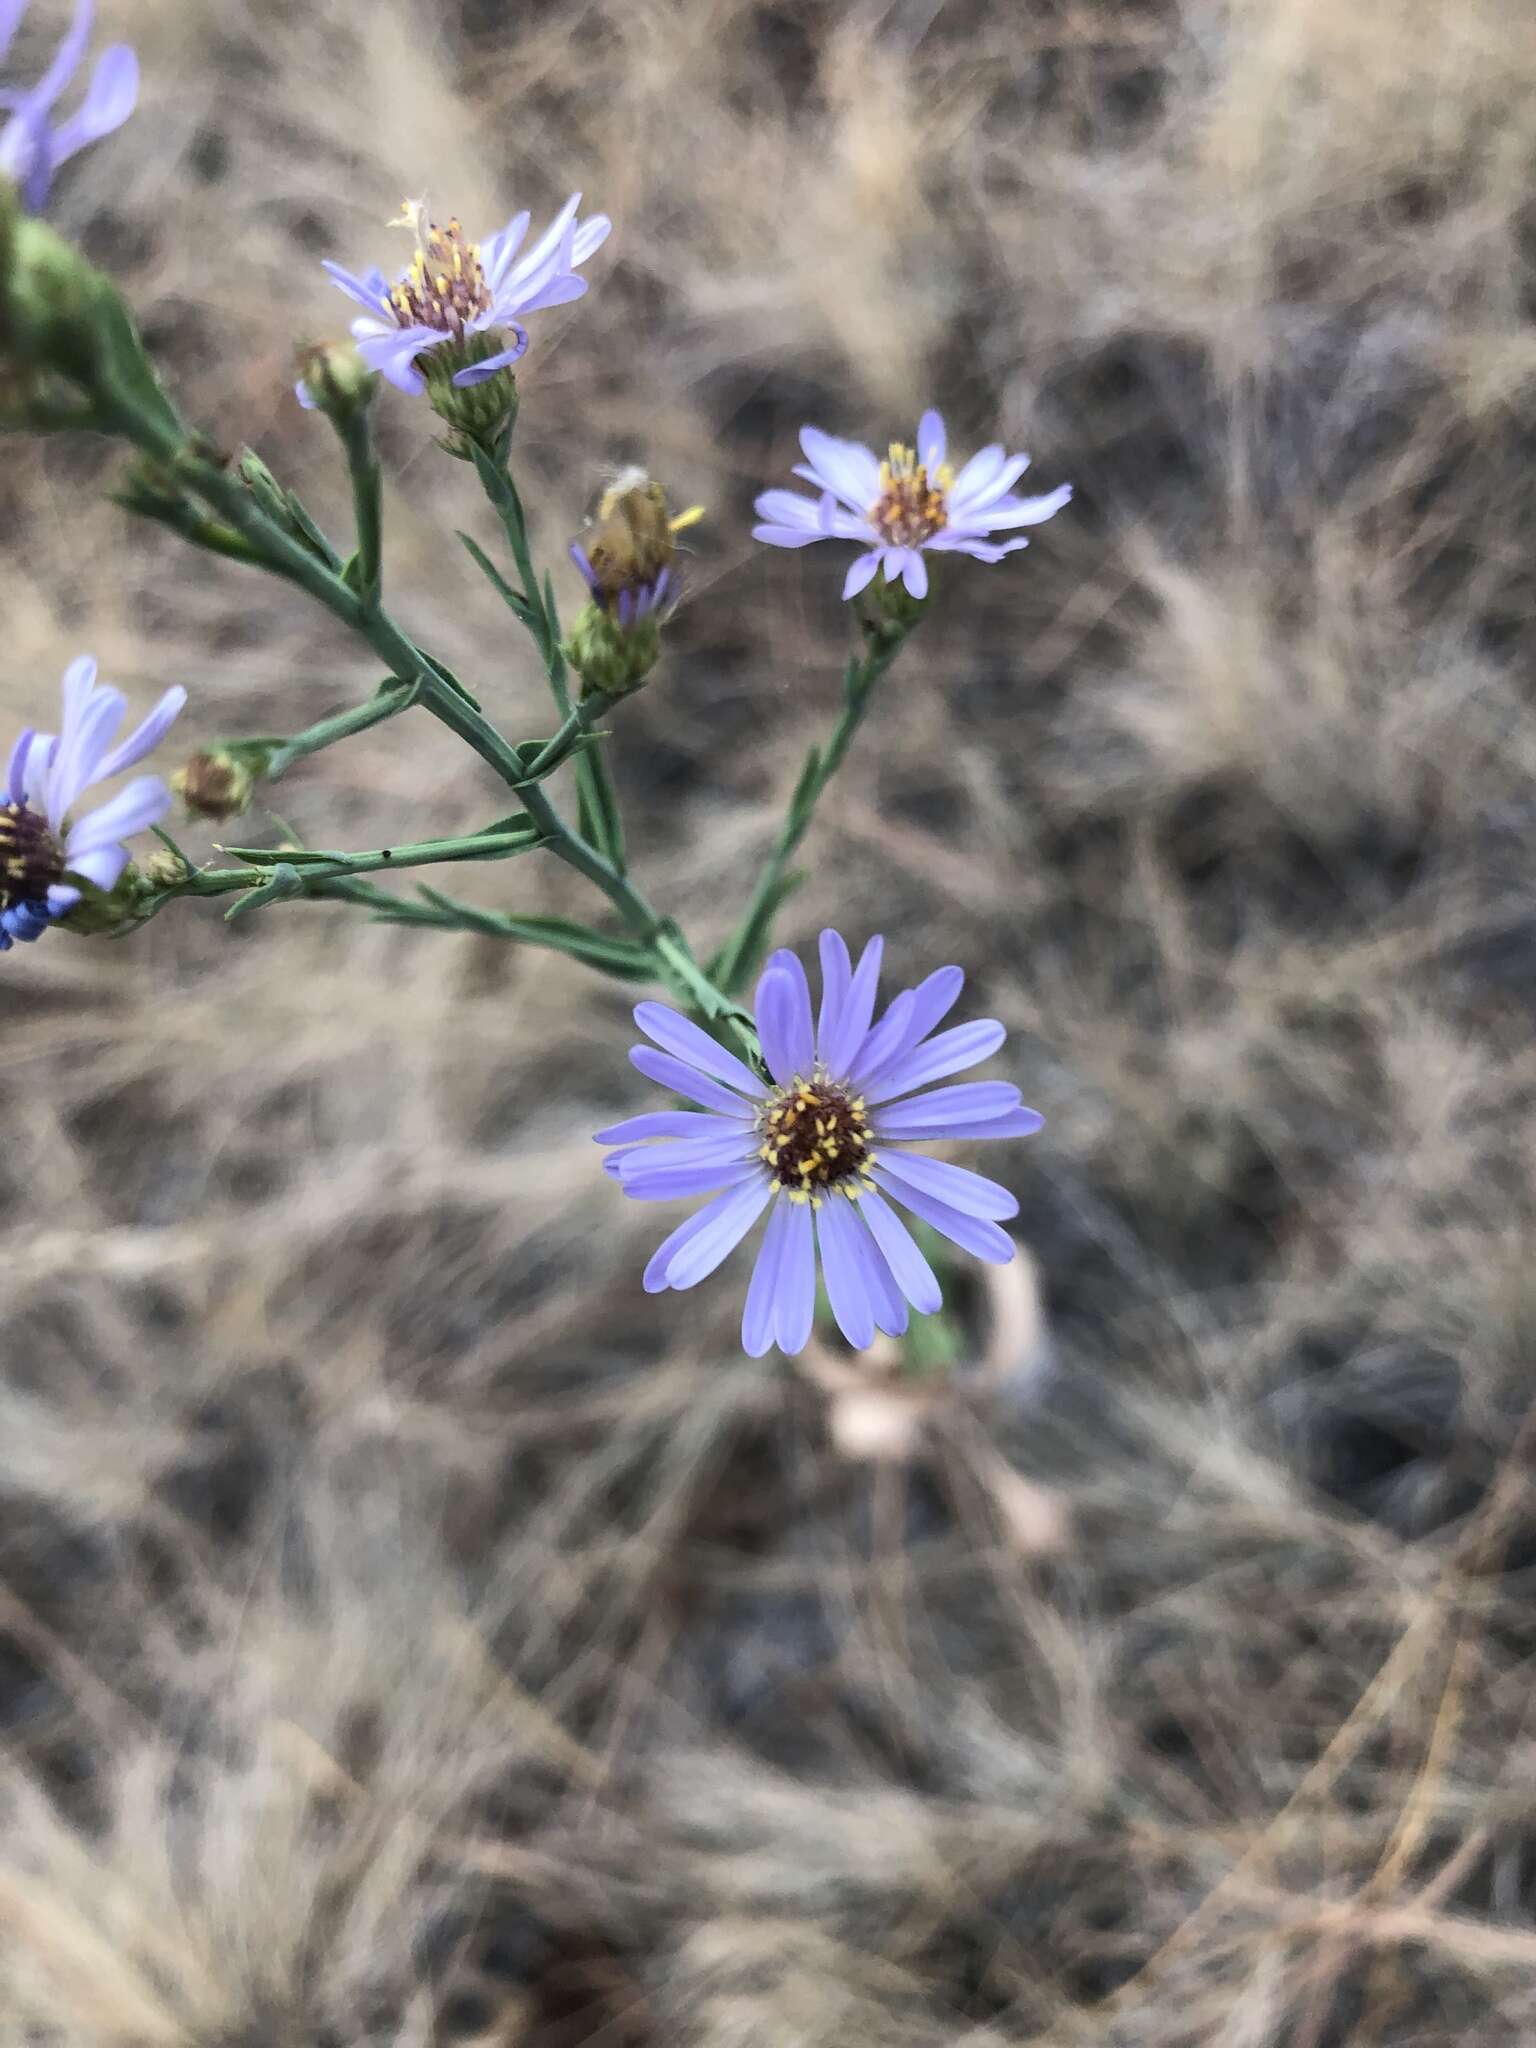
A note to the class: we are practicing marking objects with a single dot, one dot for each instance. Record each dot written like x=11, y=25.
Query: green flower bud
x=612, y=659
x=336, y=380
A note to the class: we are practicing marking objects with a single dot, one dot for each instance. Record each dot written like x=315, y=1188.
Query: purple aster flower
x=455, y=289
x=32, y=144
x=40, y=846
x=911, y=504
x=825, y=1147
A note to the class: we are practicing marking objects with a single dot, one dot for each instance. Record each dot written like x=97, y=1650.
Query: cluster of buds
x=628, y=558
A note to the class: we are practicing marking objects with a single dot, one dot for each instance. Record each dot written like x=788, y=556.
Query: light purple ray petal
x=971, y=1102
x=667, y=1123
x=686, y=1080
x=1009, y=512
x=788, y=508
x=643, y=1182
x=884, y=1042
x=34, y=769
x=498, y=251
x=988, y=483
x=910, y=1270
x=558, y=290
x=858, y=1008
x=761, y=1312
x=836, y=975
x=103, y=866
x=542, y=260
x=686, y=1041
x=956, y=541
x=66, y=61
x=11, y=12
x=144, y=737
x=783, y=1010
x=978, y=475
x=843, y=1269
x=846, y=467
x=932, y=442
x=143, y=803
x=797, y=1281
x=301, y=393
x=109, y=100
x=736, y=1212
x=370, y=290
x=590, y=236
x=62, y=898
x=932, y=1000
x=393, y=352
x=654, y=1279
x=787, y=536
x=957, y=1186
x=973, y=1234
x=82, y=745
x=885, y=1297
x=914, y=573
x=950, y=1053
x=79, y=681
x=1011, y=1123
x=16, y=773
x=478, y=373
x=861, y=573
x=728, y=1145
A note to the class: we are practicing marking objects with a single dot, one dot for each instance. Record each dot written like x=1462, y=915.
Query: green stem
x=363, y=468
x=287, y=558
x=386, y=703
x=738, y=956
x=321, y=865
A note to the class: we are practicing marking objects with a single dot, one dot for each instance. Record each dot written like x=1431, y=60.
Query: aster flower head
x=466, y=299
x=41, y=845
x=32, y=143
x=824, y=1145
x=910, y=505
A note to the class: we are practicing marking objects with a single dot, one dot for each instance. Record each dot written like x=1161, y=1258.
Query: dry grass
x=408, y=1631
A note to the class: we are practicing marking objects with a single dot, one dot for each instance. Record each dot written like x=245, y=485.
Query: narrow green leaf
x=518, y=605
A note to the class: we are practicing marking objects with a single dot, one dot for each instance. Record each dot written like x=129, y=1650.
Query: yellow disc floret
x=815, y=1141
x=445, y=286
x=912, y=506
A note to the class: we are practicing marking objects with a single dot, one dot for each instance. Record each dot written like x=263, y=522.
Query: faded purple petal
x=914, y=573
x=932, y=1000
x=1010, y=1123
x=654, y=1279
x=16, y=773
x=932, y=441
x=957, y=1186
x=62, y=898
x=371, y=290
x=102, y=867
x=498, y=251
x=686, y=1041
x=1006, y=512
x=885, y=1297
x=788, y=508
x=672, y=1180
x=787, y=536
x=884, y=1041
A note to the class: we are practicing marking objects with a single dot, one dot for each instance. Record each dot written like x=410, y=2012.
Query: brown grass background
x=412, y=1633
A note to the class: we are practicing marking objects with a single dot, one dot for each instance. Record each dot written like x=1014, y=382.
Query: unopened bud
x=165, y=870
x=109, y=912
x=611, y=658
x=216, y=783
x=335, y=380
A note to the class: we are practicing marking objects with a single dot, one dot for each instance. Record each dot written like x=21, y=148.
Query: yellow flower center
x=445, y=286
x=815, y=1141
x=911, y=507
